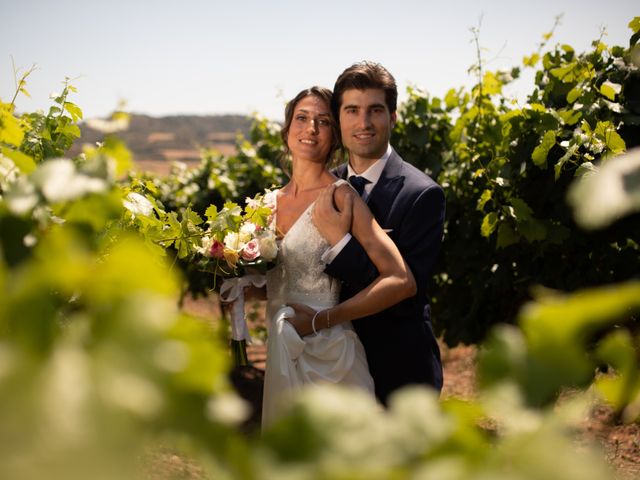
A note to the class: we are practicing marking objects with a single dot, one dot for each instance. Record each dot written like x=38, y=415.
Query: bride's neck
x=307, y=179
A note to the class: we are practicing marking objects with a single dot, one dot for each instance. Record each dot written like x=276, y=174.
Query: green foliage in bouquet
x=230, y=242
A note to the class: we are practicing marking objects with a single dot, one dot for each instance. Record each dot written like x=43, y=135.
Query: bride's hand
x=301, y=321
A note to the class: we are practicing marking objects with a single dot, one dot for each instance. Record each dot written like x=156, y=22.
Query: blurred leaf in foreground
x=612, y=192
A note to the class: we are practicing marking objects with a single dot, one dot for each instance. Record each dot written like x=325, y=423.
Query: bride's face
x=310, y=135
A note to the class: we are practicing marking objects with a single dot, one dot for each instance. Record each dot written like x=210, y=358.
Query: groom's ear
x=394, y=117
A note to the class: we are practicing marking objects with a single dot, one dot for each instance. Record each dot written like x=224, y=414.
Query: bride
x=322, y=346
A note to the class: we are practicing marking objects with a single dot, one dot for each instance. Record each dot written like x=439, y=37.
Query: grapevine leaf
x=600, y=47
x=149, y=185
x=532, y=60
x=606, y=132
x=522, y=211
x=211, y=213
x=490, y=84
x=451, y=99
x=489, y=224
x=574, y=94
x=74, y=111
x=618, y=350
x=10, y=131
x=484, y=198
x=233, y=208
x=537, y=107
x=118, y=151
x=533, y=230
x=566, y=73
x=614, y=142
x=540, y=153
x=70, y=130
x=610, y=90
x=580, y=312
x=46, y=134
x=608, y=194
x=570, y=117
x=95, y=210
x=506, y=236
x=24, y=162
x=193, y=217
x=557, y=350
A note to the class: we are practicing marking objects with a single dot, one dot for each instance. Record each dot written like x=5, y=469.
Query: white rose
x=205, y=247
x=232, y=241
x=268, y=247
x=247, y=231
x=269, y=199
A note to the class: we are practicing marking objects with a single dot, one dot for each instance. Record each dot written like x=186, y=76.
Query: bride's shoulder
x=340, y=181
x=342, y=191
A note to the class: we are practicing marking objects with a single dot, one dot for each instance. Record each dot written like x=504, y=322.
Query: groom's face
x=365, y=123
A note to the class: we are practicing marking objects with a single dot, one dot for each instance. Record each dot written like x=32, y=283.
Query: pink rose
x=217, y=249
x=251, y=250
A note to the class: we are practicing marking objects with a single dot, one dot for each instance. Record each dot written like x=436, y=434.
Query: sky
x=249, y=56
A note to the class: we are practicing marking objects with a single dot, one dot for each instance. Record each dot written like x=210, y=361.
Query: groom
x=399, y=342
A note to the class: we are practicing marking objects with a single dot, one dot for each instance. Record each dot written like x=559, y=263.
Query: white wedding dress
x=333, y=355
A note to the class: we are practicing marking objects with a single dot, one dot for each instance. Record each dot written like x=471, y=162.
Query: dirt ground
x=620, y=443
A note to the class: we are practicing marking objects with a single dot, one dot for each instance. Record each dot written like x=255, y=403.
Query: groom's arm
x=352, y=265
x=418, y=238
x=420, y=233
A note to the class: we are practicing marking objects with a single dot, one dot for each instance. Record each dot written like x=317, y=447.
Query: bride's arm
x=394, y=282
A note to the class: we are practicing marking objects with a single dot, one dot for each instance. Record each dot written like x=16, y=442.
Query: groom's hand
x=332, y=223
x=301, y=321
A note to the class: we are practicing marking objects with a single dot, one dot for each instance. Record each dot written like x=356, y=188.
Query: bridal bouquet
x=238, y=247
x=239, y=241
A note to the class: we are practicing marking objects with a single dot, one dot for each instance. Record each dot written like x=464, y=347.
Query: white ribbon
x=232, y=292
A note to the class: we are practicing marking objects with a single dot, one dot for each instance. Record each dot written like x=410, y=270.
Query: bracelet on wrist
x=313, y=321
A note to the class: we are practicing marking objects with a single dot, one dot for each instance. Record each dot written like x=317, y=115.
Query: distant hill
x=157, y=140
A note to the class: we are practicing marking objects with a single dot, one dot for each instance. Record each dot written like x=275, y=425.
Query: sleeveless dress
x=333, y=355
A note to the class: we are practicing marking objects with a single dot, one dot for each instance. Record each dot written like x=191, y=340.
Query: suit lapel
x=384, y=192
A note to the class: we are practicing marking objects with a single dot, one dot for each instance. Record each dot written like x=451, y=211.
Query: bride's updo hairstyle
x=323, y=94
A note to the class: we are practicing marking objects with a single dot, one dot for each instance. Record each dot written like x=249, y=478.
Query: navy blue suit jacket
x=399, y=342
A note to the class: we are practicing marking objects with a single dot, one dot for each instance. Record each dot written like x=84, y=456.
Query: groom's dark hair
x=363, y=75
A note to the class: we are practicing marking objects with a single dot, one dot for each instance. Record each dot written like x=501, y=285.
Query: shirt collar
x=375, y=170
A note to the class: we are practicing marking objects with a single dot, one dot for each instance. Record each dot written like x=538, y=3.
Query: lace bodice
x=299, y=272
x=333, y=355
